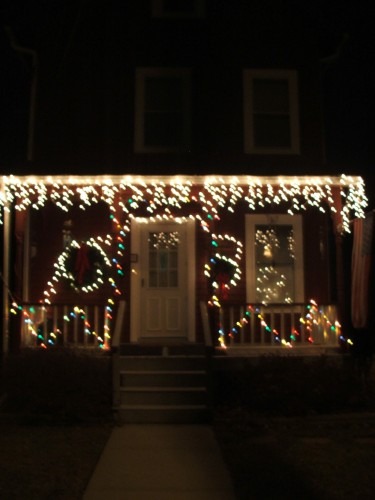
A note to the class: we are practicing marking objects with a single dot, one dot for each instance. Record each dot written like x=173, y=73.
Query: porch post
x=340, y=276
x=5, y=278
x=26, y=257
x=337, y=228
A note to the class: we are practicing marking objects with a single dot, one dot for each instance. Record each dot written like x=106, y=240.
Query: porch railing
x=65, y=325
x=273, y=325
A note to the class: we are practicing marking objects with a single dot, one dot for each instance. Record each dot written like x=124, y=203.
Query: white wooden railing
x=65, y=325
x=271, y=325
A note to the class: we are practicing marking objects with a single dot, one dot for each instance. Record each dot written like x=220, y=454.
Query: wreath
x=85, y=264
x=222, y=272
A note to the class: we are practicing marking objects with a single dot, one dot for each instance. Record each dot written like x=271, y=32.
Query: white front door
x=163, y=280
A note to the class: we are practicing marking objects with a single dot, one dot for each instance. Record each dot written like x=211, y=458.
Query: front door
x=163, y=280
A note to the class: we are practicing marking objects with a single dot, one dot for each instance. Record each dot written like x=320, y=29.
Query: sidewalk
x=160, y=462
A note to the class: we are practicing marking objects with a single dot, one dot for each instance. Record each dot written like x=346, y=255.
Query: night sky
x=343, y=32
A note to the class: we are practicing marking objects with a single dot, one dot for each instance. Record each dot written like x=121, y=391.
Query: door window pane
x=163, y=259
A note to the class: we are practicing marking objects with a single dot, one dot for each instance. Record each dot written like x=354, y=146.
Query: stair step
x=162, y=363
x=161, y=407
x=162, y=383
x=163, y=414
x=163, y=395
x=163, y=389
x=162, y=372
x=162, y=378
x=161, y=349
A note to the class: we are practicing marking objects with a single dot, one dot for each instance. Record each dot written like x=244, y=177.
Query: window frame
x=291, y=77
x=251, y=221
x=139, y=132
x=159, y=11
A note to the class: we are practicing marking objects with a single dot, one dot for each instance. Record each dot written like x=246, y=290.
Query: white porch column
x=6, y=259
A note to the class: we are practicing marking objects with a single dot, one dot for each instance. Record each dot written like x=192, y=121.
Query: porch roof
x=344, y=195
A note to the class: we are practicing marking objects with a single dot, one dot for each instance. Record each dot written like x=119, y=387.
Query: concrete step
x=174, y=396
x=164, y=414
x=162, y=363
x=162, y=349
x=162, y=383
x=163, y=378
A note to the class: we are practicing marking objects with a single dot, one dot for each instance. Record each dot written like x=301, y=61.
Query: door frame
x=135, y=275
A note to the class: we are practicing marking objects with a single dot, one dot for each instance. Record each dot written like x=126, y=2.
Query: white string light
x=213, y=194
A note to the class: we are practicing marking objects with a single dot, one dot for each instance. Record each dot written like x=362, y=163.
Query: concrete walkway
x=160, y=462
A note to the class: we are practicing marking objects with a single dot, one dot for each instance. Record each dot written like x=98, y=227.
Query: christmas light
x=212, y=193
x=313, y=324
x=202, y=198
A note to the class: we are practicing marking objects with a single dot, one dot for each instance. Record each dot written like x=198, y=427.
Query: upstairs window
x=271, y=112
x=178, y=8
x=162, y=112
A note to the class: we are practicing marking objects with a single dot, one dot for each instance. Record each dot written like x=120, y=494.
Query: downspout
x=32, y=54
x=33, y=86
x=325, y=63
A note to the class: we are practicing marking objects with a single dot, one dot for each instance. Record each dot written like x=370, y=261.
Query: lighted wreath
x=222, y=274
x=85, y=265
x=223, y=271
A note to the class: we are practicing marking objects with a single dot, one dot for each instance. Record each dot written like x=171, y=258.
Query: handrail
x=116, y=339
x=206, y=324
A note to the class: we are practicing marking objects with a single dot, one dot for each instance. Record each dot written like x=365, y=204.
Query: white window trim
x=291, y=77
x=278, y=219
x=159, y=11
x=140, y=76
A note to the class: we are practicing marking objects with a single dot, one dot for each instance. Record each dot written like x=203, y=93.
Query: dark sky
x=343, y=33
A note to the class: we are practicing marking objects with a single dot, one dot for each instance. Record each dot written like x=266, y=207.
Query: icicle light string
x=213, y=194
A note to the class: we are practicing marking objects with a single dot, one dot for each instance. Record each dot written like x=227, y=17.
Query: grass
x=321, y=457
x=287, y=429
x=54, y=423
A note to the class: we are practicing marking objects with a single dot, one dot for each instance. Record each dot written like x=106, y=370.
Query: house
x=179, y=190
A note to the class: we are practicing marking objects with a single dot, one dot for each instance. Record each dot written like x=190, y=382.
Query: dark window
x=271, y=114
x=178, y=8
x=163, y=112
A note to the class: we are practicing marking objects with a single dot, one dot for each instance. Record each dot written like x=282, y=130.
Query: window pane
x=272, y=131
x=163, y=129
x=179, y=6
x=271, y=96
x=152, y=259
x=173, y=278
x=153, y=278
x=163, y=278
x=274, y=263
x=163, y=93
x=163, y=259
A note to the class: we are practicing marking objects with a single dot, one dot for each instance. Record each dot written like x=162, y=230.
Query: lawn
x=54, y=422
